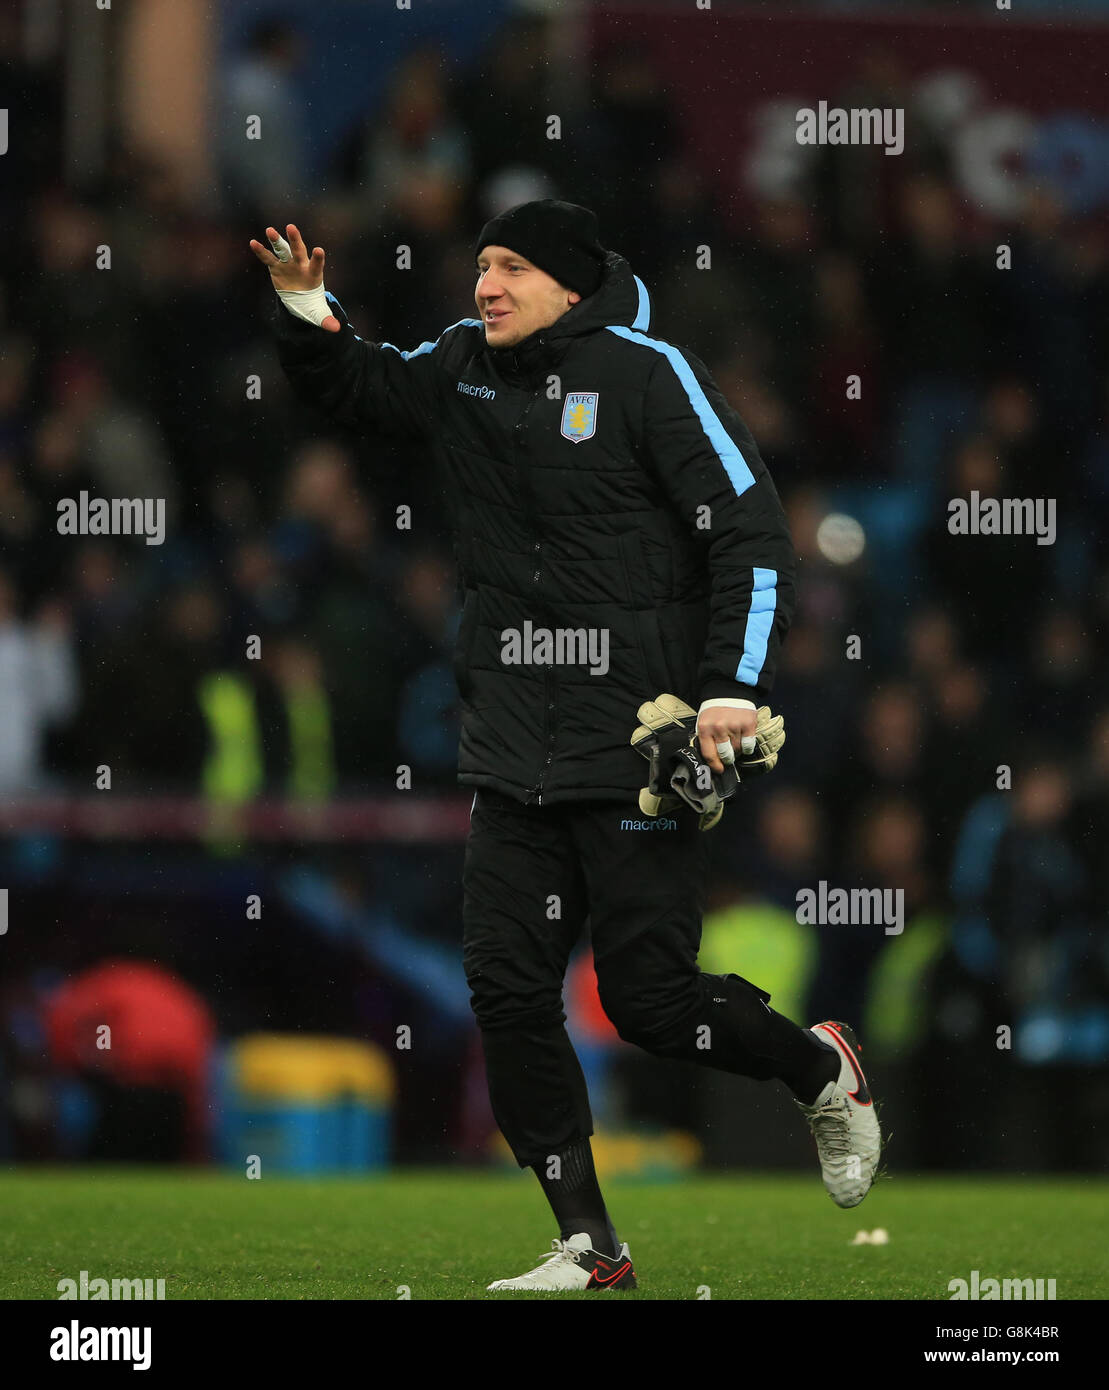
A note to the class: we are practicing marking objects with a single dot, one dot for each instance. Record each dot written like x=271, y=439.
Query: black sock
x=807, y=1083
x=575, y=1196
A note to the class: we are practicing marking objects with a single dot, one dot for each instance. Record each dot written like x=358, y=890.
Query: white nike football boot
x=843, y=1122
x=574, y=1264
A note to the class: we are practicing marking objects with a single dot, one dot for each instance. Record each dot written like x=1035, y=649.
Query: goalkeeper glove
x=667, y=738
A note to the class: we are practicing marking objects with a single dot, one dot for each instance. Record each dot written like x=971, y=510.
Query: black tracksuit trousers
x=532, y=876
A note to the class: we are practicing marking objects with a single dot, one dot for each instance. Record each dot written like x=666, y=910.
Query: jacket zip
x=537, y=574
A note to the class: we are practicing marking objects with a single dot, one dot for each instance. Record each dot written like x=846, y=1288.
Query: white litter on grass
x=879, y=1236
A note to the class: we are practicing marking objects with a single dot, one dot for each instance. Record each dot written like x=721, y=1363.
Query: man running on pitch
x=621, y=548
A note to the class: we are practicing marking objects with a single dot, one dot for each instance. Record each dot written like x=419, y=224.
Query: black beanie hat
x=560, y=238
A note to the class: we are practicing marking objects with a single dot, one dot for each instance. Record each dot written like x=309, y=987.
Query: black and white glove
x=667, y=738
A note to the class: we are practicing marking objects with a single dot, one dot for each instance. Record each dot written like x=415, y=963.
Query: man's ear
x=573, y=296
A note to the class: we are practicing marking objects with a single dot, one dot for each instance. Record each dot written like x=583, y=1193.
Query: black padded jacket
x=616, y=531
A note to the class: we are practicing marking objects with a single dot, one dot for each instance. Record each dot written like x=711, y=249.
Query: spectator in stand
x=38, y=687
x=271, y=166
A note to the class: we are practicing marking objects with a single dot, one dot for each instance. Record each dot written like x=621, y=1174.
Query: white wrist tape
x=747, y=744
x=309, y=305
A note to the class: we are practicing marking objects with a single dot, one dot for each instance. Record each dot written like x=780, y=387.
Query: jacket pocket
x=464, y=643
x=644, y=604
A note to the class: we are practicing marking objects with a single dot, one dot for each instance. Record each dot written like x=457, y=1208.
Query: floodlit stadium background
x=253, y=907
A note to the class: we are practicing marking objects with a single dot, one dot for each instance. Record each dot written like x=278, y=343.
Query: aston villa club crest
x=579, y=415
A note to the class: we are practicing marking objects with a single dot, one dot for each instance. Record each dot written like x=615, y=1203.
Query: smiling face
x=515, y=297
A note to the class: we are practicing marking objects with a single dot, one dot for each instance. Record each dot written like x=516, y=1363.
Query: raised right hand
x=299, y=272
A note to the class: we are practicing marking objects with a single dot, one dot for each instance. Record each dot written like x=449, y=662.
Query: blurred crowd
x=958, y=749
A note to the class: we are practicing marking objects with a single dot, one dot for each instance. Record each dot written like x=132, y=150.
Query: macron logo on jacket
x=483, y=393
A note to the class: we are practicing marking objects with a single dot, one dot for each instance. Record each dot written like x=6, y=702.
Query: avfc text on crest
x=579, y=415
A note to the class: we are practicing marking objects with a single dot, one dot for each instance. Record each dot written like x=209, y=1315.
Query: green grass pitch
x=444, y=1235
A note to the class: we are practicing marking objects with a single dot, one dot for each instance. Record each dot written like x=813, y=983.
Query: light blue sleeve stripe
x=735, y=465
x=424, y=347
x=430, y=347
x=760, y=621
x=415, y=352
x=329, y=295
x=643, y=313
